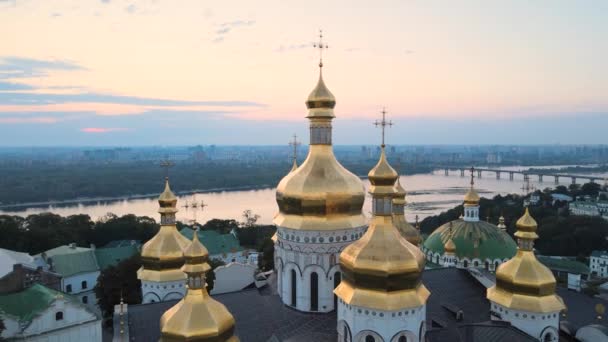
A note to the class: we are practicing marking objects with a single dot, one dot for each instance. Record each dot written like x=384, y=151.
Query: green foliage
x=117, y=281
x=221, y=226
x=559, y=232
x=37, y=233
x=266, y=262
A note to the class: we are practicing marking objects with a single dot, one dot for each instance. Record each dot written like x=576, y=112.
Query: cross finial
x=472, y=176
x=295, y=143
x=166, y=164
x=383, y=124
x=321, y=46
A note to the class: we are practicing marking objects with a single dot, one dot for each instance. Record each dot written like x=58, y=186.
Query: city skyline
x=150, y=73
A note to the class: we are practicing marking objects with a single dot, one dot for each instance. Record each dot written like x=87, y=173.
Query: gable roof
x=74, y=263
x=107, y=257
x=26, y=304
x=215, y=242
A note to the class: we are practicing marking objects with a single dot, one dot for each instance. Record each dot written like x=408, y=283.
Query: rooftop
x=111, y=256
x=26, y=304
x=74, y=263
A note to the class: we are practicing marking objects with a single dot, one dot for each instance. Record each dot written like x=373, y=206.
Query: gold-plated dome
x=382, y=270
x=162, y=256
x=197, y=317
x=382, y=177
x=410, y=233
x=450, y=246
x=471, y=198
x=523, y=283
x=321, y=97
x=501, y=223
x=320, y=194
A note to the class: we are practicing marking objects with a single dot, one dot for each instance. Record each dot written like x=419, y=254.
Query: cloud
x=10, y=86
x=55, y=15
x=283, y=48
x=21, y=120
x=103, y=130
x=409, y=52
x=19, y=67
x=227, y=27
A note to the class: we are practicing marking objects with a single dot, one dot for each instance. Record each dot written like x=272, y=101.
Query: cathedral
x=340, y=276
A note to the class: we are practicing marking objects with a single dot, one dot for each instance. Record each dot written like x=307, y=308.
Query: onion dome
x=382, y=270
x=523, y=283
x=320, y=194
x=450, y=247
x=473, y=239
x=410, y=233
x=471, y=198
x=197, y=317
x=162, y=255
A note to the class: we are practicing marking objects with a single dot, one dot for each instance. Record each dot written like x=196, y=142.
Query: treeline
x=44, y=183
x=573, y=169
x=560, y=233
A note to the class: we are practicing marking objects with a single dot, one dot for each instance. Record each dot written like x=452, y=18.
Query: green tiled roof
x=563, y=264
x=74, y=263
x=26, y=304
x=65, y=249
x=107, y=257
x=480, y=240
x=215, y=242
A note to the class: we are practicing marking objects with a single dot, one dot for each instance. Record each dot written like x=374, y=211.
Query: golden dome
x=294, y=166
x=320, y=194
x=501, y=223
x=167, y=199
x=321, y=97
x=450, y=246
x=162, y=256
x=382, y=177
x=523, y=283
x=410, y=233
x=382, y=270
x=197, y=317
x=400, y=193
x=471, y=198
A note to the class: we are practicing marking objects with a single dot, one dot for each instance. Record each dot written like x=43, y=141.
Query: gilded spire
x=382, y=270
x=450, y=246
x=471, y=198
x=197, y=317
x=523, y=283
x=321, y=101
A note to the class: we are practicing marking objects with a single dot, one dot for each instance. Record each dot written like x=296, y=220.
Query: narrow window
x=59, y=315
x=83, y=284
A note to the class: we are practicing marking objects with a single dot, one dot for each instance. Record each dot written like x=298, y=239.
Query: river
x=428, y=194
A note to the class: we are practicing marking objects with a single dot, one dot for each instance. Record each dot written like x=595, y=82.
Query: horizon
x=151, y=73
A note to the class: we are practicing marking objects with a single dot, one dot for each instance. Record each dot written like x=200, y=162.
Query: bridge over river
x=499, y=172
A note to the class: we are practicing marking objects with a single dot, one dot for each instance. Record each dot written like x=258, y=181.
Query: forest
x=41, y=182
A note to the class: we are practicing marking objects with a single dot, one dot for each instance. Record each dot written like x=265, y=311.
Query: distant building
x=38, y=314
x=598, y=264
x=78, y=269
x=566, y=270
x=590, y=207
x=224, y=247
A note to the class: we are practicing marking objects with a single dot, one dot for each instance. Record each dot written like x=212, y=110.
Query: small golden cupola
x=197, y=317
x=162, y=256
x=501, y=224
x=449, y=248
x=405, y=228
x=523, y=283
x=382, y=270
x=320, y=194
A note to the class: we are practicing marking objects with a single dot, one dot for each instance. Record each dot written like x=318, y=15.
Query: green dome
x=474, y=240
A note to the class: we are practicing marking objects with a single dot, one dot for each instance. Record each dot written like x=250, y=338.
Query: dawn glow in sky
x=148, y=72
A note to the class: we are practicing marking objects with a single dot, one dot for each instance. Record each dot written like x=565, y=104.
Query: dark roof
x=261, y=316
x=480, y=332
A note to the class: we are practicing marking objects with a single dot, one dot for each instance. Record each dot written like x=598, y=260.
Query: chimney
x=73, y=245
x=93, y=246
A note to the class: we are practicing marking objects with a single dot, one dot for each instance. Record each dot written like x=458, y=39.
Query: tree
x=590, y=189
x=266, y=262
x=221, y=226
x=117, y=281
x=2, y=328
x=251, y=219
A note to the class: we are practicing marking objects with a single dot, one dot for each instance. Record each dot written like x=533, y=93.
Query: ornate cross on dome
x=295, y=143
x=321, y=46
x=166, y=164
x=383, y=124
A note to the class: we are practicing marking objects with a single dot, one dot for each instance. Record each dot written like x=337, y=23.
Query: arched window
x=402, y=339
x=370, y=338
x=487, y=265
x=314, y=291
x=68, y=288
x=496, y=264
x=83, y=285
x=465, y=263
x=548, y=337
x=58, y=315
x=294, y=288
x=85, y=300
